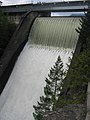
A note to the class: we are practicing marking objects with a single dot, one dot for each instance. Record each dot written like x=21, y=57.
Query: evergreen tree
x=51, y=90
x=85, y=29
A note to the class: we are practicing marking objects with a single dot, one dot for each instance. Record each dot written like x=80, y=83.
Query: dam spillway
x=48, y=38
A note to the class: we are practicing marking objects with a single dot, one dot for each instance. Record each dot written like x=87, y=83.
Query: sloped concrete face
x=15, y=46
x=88, y=98
x=88, y=102
x=88, y=116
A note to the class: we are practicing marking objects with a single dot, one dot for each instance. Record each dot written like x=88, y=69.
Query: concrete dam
x=48, y=38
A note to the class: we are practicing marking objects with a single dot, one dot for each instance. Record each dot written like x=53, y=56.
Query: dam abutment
x=15, y=46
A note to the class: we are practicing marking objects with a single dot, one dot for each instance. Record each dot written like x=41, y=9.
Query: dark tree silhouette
x=51, y=90
x=85, y=29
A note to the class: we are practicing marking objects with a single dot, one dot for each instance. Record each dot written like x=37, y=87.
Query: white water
x=26, y=82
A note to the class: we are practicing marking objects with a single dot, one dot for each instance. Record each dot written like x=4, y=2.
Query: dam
x=48, y=38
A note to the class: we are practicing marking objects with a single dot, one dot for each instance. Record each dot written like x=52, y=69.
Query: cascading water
x=49, y=38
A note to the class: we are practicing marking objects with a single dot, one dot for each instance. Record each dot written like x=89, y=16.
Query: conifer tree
x=51, y=90
x=85, y=29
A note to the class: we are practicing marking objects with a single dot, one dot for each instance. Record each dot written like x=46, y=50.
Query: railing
x=55, y=6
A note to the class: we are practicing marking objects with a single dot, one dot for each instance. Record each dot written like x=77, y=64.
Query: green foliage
x=52, y=90
x=6, y=31
x=75, y=85
x=80, y=70
x=75, y=99
x=85, y=29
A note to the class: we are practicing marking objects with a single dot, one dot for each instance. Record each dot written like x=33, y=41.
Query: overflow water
x=48, y=38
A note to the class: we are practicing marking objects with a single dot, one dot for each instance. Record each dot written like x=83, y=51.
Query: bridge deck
x=76, y=6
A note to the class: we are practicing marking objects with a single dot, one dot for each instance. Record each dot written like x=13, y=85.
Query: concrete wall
x=15, y=46
x=15, y=18
x=15, y=12
x=88, y=102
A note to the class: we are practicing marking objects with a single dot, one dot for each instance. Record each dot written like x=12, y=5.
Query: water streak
x=57, y=32
x=47, y=40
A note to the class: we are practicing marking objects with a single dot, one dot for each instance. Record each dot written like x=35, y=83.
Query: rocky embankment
x=69, y=112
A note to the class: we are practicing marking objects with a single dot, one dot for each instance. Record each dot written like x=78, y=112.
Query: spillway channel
x=48, y=38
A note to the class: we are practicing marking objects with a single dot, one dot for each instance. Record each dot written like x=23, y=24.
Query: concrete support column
x=88, y=102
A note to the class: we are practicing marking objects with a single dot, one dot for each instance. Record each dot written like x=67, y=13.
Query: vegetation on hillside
x=6, y=31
